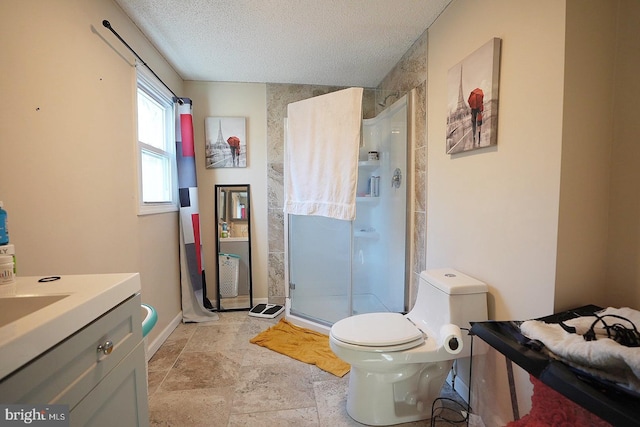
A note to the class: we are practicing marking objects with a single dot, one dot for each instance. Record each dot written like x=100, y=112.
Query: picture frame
x=225, y=142
x=472, y=97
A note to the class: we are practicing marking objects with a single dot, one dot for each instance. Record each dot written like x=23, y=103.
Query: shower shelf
x=366, y=235
x=368, y=199
x=369, y=164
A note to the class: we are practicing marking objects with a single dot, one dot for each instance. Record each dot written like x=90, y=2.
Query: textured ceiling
x=325, y=42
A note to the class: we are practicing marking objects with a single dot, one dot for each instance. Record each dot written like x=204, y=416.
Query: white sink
x=12, y=309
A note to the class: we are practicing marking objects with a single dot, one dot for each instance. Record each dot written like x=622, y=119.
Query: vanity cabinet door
x=120, y=399
x=66, y=373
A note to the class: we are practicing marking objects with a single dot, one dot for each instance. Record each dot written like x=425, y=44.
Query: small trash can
x=229, y=265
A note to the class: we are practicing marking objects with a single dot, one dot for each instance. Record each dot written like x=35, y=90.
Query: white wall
x=587, y=139
x=493, y=213
x=233, y=100
x=68, y=145
x=548, y=218
x=623, y=267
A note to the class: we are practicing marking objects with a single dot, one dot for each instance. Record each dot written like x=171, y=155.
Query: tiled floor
x=208, y=374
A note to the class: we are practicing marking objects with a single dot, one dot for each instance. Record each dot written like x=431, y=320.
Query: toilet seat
x=377, y=332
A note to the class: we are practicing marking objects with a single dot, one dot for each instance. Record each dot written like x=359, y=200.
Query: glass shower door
x=320, y=268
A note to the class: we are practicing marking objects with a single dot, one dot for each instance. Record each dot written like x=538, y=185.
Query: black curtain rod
x=107, y=24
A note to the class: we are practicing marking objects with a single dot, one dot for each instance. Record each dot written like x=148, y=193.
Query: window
x=157, y=187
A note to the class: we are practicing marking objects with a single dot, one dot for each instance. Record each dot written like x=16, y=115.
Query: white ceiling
x=324, y=42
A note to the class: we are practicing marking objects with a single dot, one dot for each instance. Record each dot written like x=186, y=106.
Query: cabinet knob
x=106, y=348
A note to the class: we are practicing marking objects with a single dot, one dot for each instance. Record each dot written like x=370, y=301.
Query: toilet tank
x=448, y=296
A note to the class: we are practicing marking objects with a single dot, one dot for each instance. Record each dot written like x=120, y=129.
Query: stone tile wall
x=409, y=73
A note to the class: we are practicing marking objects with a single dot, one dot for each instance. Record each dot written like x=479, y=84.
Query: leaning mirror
x=233, y=244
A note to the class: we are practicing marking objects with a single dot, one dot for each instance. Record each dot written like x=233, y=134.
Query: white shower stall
x=338, y=268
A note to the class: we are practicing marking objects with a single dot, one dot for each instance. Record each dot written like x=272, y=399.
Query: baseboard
x=460, y=387
x=160, y=339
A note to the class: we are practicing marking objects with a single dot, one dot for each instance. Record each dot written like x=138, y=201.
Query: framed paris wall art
x=472, y=95
x=225, y=142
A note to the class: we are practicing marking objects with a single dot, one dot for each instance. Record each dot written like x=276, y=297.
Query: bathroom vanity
x=76, y=341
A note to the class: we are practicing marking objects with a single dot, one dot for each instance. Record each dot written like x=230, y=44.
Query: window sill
x=156, y=209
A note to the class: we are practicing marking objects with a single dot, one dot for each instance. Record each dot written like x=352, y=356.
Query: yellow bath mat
x=302, y=344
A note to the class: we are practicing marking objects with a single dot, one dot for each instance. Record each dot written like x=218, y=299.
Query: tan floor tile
x=200, y=370
x=182, y=331
x=331, y=398
x=167, y=354
x=256, y=355
x=232, y=317
x=255, y=325
x=286, y=418
x=217, y=338
x=154, y=379
x=273, y=387
x=192, y=408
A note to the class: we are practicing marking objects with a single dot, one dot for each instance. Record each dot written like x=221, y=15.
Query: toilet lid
x=377, y=330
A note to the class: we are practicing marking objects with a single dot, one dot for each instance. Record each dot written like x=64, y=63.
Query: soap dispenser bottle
x=4, y=228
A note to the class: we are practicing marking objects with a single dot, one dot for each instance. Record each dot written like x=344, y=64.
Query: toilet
x=399, y=362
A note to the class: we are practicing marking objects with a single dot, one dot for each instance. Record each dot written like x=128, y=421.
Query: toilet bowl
x=399, y=362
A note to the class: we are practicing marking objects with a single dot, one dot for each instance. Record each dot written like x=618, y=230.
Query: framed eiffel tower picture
x=472, y=96
x=225, y=142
